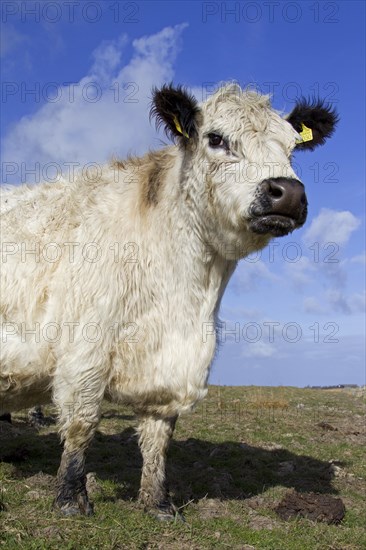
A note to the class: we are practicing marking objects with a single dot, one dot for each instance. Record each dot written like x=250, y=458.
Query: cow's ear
x=314, y=120
x=175, y=109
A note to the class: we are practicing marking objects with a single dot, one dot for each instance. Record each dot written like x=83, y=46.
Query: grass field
x=230, y=463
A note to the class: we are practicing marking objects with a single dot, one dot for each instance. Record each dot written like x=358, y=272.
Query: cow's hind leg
x=154, y=437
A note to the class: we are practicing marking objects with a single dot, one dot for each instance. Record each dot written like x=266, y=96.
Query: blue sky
x=294, y=315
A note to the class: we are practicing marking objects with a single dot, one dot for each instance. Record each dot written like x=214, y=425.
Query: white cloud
x=239, y=312
x=106, y=113
x=300, y=273
x=323, y=272
x=313, y=305
x=259, y=349
x=337, y=300
x=334, y=300
x=332, y=226
x=357, y=301
x=107, y=58
x=359, y=259
x=250, y=275
x=354, y=303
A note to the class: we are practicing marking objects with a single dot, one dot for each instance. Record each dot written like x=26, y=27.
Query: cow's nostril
x=275, y=192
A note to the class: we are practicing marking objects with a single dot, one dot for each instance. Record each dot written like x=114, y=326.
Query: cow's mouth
x=277, y=225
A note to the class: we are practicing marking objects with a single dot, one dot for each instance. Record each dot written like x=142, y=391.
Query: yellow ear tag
x=178, y=127
x=306, y=134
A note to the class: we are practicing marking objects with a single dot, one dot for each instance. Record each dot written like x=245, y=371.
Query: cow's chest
x=162, y=356
x=161, y=360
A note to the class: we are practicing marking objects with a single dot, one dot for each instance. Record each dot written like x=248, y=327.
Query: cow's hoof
x=166, y=512
x=81, y=508
x=70, y=511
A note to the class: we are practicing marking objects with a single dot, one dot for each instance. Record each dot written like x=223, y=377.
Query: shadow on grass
x=196, y=468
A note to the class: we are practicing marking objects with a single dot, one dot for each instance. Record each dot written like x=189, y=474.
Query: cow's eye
x=215, y=140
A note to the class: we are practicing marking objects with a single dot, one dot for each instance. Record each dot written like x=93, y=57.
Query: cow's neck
x=180, y=220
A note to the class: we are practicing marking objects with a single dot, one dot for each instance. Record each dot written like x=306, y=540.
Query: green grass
x=230, y=463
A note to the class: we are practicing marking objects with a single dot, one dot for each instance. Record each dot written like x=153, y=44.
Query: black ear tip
x=162, y=90
x=326, y=110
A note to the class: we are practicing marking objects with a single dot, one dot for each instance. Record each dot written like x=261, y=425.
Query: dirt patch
x=209, y=508
x=327, y=427
x=256, y=502
x=316, y=507
x=258, y=522
x=41, y=481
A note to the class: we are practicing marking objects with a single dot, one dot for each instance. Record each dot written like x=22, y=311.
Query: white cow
x=111, y=286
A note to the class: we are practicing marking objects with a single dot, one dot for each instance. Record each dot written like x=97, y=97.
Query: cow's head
x=237, y=156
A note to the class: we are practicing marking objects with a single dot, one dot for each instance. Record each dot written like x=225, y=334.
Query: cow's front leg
x=154, y=437
x=72, y=497
x=79, y=418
